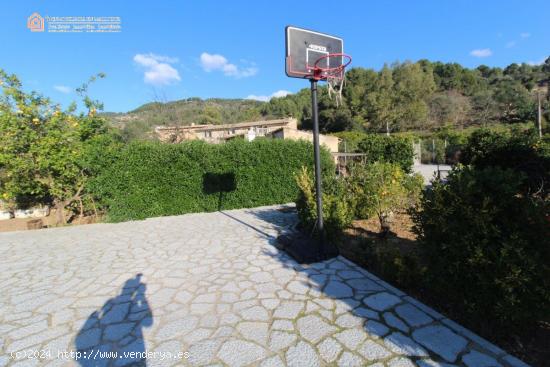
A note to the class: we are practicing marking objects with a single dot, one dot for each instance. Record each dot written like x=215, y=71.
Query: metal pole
x=317, y=156
x=539, y=117
x=346, y=155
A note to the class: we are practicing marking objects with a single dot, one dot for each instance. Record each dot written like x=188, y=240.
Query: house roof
x=211, y=127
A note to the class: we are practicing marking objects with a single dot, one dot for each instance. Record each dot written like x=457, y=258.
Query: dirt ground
x=21, y=224
x=401, y=227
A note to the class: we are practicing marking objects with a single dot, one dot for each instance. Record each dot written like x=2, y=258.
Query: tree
x=41, y=147
x=381, y=102
x=210, y=115
x=382, y=189
x=359, y=83
x=545, y=69
x=526, y=74
x=513, y=100
x=484, y=108
x=449, y=108
x=448, y=76
x=413, y=87
x=335, y=120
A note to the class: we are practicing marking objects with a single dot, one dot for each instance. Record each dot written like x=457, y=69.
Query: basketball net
x=335, y=86
x=334, y=76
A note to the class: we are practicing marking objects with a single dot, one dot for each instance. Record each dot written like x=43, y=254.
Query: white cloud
x=280, y=93
x=258, y=98
x=482, y=52
x=277, y=94
x=158, y=70
x=215, y=62
x=168, y=59
x=63, y=89
x=212, y=62
x=523, y=36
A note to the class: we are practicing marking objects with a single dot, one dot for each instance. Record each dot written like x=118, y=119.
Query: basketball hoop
x=316, y=56
x=334, y=75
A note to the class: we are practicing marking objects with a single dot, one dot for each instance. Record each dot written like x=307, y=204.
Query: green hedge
x=145, y=179
x=389, y=149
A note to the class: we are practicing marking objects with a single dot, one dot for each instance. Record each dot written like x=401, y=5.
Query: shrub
x=337, y=207
x=390, y=149
x=381, y=189
x=146, y=179
x=487, y=247
x=395, y=266
x=521, y=151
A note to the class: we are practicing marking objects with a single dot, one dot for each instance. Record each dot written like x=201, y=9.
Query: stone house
x=286, y=128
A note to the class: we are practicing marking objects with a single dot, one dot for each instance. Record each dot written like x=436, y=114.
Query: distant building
x=220, y=133
x=286, y=128
x=330, y=142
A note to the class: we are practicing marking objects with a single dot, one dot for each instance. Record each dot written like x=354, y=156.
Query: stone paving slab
x=214, y=287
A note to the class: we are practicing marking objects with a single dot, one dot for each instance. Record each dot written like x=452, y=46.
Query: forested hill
x=403, y=96
x=138, y=124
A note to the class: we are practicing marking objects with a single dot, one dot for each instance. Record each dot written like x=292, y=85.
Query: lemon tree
x=382, y=189
x=41, y=147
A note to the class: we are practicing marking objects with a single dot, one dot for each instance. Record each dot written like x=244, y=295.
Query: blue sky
x=169, y=50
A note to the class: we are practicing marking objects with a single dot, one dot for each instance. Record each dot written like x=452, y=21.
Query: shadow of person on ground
x=113, y=335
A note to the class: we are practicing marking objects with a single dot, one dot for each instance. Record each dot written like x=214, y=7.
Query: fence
x=436, y=151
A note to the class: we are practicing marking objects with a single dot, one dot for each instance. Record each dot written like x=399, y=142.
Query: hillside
x=138, y=124
x=419, y=96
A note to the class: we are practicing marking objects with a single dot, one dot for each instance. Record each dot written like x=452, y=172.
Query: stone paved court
x=214, y=286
